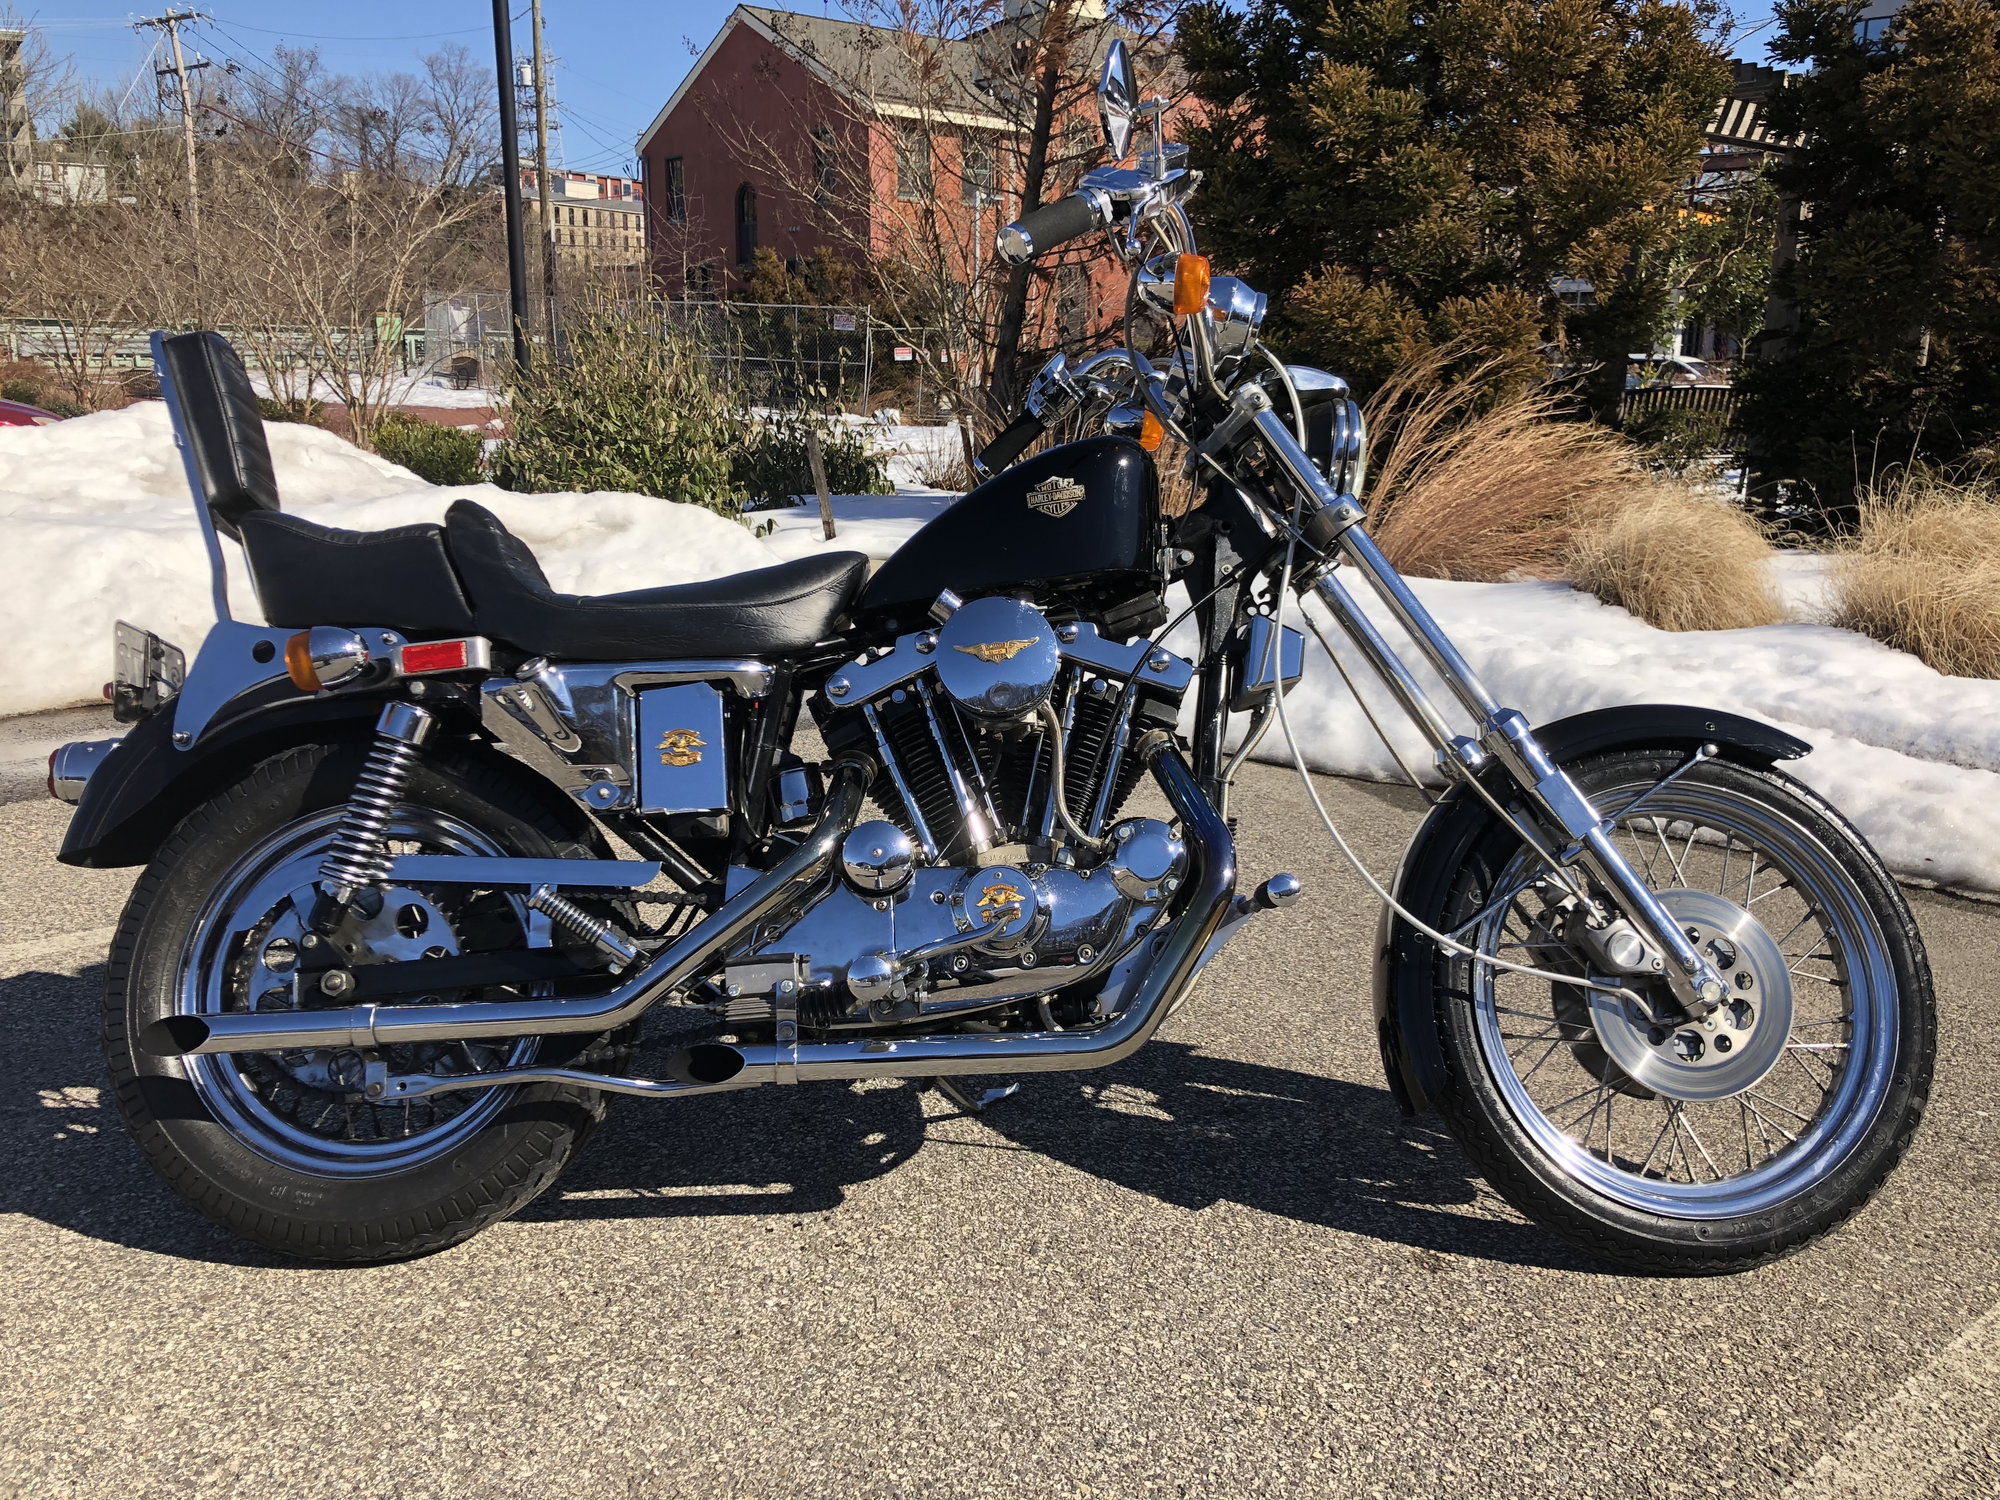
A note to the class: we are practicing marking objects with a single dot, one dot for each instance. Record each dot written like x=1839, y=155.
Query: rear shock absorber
x=359, y=853
x=601, y=935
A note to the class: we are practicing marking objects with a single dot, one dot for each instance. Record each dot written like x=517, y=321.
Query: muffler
x=386, y=1025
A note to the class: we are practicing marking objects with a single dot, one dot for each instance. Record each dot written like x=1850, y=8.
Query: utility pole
x=510, y=180
x=171, y=23
x=542, y=179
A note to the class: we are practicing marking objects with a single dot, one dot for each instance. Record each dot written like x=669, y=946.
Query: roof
x=1739, y=119
x=885, y=71
x=880, y=65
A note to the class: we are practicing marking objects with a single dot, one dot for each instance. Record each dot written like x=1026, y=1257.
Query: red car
x=20, y=414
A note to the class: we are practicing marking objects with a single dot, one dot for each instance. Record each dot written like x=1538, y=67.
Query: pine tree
x=1409, y=173
x=1894, y=356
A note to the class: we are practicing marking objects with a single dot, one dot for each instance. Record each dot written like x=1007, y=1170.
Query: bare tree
x=953, y=117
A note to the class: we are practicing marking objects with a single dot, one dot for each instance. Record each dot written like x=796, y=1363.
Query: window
x=701, y=281
x=976, y=157
x=746, y=224
x=826, y=166
x=673, y=190
x=913, y=163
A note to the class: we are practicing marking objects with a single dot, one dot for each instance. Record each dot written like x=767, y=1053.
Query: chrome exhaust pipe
x=386, y=1025
x=1183, y=948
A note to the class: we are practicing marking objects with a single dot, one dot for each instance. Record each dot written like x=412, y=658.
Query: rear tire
x=275, y=1150
x=1616, y=1139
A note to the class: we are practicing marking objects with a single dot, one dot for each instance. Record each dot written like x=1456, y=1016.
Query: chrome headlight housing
x=1336, y=433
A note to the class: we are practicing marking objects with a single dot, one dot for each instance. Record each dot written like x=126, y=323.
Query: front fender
x=1405, y=1005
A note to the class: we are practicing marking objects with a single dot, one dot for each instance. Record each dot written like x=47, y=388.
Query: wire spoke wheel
x=1722, y=1126
x=304, y=1107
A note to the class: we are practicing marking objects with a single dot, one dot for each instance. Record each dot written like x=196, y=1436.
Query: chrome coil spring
x=359, y=853
x=602, y=935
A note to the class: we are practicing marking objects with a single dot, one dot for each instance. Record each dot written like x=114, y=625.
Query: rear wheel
x=1706, y=1146
x=282, y=1147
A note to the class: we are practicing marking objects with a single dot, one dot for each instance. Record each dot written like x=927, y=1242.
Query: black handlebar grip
x=1045, y=228
x=1010, y=444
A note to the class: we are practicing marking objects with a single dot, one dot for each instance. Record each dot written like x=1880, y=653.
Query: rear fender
x=145, y=786
x=1405, y=1000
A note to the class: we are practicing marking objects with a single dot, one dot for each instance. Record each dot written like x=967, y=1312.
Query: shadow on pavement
x=1181, y=1126
x=68, y=1159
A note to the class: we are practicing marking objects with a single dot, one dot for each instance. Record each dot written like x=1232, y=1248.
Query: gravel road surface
x=1225, y=1268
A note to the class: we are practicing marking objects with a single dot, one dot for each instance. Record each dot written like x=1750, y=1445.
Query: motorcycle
x=422, y=853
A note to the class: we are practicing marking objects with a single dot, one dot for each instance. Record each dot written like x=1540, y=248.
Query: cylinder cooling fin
x=961, y=719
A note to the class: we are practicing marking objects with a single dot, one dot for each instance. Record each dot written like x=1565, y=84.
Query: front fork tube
x=1504, y=734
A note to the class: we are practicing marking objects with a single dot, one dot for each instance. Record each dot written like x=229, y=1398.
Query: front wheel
x=1697, y=1147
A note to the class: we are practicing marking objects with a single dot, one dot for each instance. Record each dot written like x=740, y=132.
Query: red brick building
x=795, y=133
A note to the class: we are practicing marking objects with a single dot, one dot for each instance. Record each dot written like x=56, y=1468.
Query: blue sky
x=617, y=60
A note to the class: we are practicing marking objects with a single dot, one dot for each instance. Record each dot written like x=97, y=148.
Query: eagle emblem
x=1055, y=496
x=995, y=652
x=681, y=747
x=1000, y=903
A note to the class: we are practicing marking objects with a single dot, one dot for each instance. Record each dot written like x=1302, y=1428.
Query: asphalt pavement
x=1225, y=1268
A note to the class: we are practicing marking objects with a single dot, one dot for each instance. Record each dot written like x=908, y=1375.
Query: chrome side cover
x=575, y=723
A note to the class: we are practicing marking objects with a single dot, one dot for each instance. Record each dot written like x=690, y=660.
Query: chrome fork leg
x=1505, y=735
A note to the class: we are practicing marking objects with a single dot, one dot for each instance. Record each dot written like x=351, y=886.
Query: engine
x=1000, y=870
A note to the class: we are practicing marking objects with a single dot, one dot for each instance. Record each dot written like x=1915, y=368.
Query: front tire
x=279, y=1147
x=1708, y=1147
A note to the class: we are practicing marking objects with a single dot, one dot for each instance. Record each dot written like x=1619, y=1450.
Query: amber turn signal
x=1151, y=433
x=1191, y=275
x=299, y=662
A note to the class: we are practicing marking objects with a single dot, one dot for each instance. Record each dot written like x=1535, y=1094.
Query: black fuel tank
x=1077, y=524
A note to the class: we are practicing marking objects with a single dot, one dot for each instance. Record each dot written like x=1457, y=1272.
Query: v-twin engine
x=1001, y=871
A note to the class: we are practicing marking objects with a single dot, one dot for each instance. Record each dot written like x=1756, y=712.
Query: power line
x=316, y=36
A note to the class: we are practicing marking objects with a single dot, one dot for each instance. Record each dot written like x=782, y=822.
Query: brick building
x=796, y=133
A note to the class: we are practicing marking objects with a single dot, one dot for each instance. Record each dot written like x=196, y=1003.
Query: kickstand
x=973, y=1105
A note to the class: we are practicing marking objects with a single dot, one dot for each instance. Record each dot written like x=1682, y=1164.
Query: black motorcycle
x=385, y=965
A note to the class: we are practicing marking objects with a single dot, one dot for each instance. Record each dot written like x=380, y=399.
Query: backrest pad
x=215, y=415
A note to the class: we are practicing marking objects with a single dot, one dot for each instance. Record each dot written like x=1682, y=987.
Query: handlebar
x=1051, y=225
x=1009, y=445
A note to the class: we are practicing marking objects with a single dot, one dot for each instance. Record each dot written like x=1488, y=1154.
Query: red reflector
x=434, y=656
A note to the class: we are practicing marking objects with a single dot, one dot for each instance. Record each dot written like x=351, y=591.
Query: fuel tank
x=1077, y=525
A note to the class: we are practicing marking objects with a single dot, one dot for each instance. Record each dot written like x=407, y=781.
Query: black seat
x=765, y=612
x=304, y=573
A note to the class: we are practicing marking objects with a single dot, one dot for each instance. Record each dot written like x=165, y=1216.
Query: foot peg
x=1277, y=893
x=974, y=1104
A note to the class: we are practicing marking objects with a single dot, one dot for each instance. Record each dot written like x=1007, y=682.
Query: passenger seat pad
x=308, y=574
x=765, y=612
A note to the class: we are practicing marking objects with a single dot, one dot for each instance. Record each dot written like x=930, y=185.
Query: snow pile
x=874, y=524
x=1911, y=757
x=96, y=525
x=415, y=388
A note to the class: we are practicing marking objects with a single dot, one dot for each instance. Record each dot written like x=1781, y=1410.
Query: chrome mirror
x=1118, y=99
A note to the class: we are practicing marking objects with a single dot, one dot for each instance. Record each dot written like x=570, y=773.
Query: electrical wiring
x=1382, y=894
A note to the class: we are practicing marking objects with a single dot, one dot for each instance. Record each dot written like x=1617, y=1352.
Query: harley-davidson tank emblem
x=1055, y=496
x=995, y=652
x=681, y=747
x=1000, y=903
